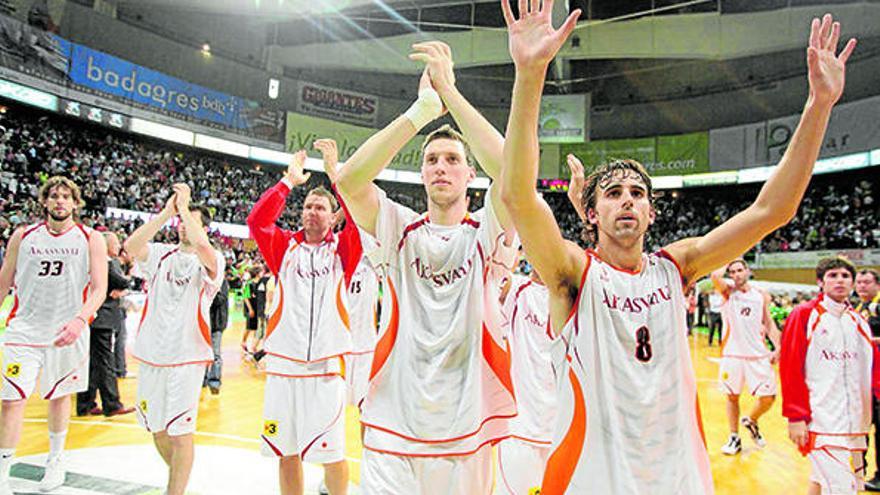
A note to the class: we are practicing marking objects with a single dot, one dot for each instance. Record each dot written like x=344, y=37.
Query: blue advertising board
x=111, y=75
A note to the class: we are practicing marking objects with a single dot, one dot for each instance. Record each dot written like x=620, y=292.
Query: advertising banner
x=303, y=130
x=107, y=74
x=809, y=259
x=853, y=127
x=30, y=96
x=563, y=119
x=663, y=155
x=337, y=104
x=94, y=114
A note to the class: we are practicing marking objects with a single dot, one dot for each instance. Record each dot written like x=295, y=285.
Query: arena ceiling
x=361, y=44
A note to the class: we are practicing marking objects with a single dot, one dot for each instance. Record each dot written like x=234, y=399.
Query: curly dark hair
x=602, y=174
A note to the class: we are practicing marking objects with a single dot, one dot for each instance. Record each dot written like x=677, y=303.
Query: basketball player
x=306, y=337
x=745, y=358
x=523, y=457
x=440, y=391
x=173, y=342
x=828, y=369
x=628, y=420
x=58, y=269
x=359, y=303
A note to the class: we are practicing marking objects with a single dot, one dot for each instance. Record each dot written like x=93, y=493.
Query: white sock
x=56, y=443
x=6, y=458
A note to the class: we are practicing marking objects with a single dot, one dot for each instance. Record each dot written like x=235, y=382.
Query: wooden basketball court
x=229, y=425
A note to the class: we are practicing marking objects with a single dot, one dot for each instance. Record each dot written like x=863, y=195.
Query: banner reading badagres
x=303, y=130
x=107, y=74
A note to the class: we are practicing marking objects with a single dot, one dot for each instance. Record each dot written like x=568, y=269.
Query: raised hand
x=827, y=69
x=435, y=101
x=182, y=194
x=171, y=205
x=328, y=150
x=533, y=42
x=295, y=173
x=576, y=184
x=437, y=57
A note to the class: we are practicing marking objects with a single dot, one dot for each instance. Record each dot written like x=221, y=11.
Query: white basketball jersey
x=628, y=420
x=440, y=382
x=828, y=369
x=743, y=333
x=358, y=307
x=531, y=364
x=51, y=284
x=175, y=326
x=306, y=334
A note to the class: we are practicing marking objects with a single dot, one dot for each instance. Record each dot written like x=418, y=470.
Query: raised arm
x=350, y=249
x=778, y=201
x=576, y=185
x=97, y=292
x=721, y=286
x=485, y=142
x=136, y=244
x=533, y=44
x=196, y=234
x=271, y=239
x=355, y=183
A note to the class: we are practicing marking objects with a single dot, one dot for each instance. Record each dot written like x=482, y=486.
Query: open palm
x=827, y=69
x=533, y=41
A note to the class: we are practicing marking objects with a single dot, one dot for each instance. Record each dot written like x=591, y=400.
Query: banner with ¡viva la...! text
x=303, y=130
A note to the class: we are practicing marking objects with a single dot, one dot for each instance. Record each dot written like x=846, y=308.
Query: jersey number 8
x=644, y=353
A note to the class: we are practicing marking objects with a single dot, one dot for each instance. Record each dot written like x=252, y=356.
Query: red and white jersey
x=175, y=326
x=358, y=307
x=743, y=331
x=306, y=334
x=440, y=382
x=628, y=414
x=52, y=275
x=828, y=368
x=531, y=365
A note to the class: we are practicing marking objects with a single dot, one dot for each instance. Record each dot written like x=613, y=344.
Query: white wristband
x=428, y=107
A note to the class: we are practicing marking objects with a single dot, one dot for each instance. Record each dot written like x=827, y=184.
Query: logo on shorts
x=535, y=490
x=143, y=406
x=725, y=375
x=13, y=370
x=270, y=428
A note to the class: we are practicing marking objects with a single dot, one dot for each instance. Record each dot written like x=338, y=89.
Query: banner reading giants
x=337, y=104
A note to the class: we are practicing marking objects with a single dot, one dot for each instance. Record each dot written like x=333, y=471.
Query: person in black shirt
x=219, y=320
x=102, y=376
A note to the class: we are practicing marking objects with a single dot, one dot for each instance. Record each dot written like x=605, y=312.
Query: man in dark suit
x=102, y=376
